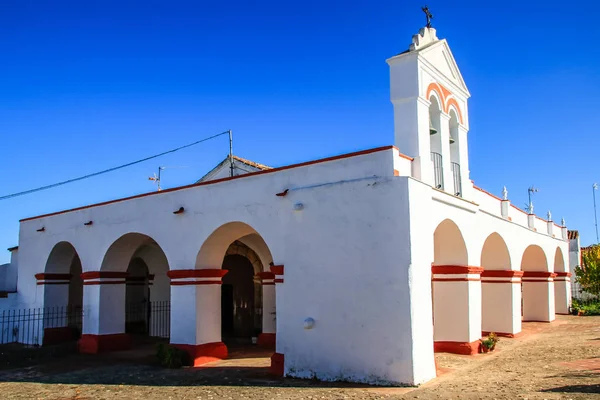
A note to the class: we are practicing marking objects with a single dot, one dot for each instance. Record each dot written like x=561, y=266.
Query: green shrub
x=589, y=307
x=490, y=342
x=172, y=357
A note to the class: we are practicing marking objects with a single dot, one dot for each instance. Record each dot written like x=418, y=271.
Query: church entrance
x=238, y=300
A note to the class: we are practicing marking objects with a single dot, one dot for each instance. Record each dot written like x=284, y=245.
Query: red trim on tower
x=201, y=354
x=501, y=274
x=455, y=269
x=93, y=344
x=52, y=277
x=465, y=348
x=103, y=274
x=196, y=273
x=266, y=339
x=277, y=364
x=277, y=269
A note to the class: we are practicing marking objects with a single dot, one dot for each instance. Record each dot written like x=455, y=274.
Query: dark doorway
x=237, y=299
x=137, y=298
x=75, y=305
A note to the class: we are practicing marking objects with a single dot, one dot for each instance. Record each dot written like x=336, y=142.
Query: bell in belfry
x=432, y=130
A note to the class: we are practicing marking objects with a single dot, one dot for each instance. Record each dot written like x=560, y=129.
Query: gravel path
x=541, y=365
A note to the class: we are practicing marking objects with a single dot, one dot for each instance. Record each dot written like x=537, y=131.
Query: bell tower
x=431, y=119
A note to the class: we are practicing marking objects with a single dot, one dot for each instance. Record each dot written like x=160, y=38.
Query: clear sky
x=89, y=85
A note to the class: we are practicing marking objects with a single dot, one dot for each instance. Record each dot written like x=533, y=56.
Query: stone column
x=456, y=308
x=562, y=292
x=196, y=313
x=501, y=302
x=538, y=296
x=55, y=292
x=103, y=312
x=278, y=359
x=269, y=328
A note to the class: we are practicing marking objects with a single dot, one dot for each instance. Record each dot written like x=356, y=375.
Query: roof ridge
x=251, y=163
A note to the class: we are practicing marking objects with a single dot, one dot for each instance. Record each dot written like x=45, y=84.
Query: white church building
x=356, y=267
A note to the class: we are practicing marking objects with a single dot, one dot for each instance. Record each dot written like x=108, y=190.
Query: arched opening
x=455, y=153
x=63, y=294
x=141, y=307
x=562, y=284
x=537, y=286
x=455, y=296
x=435, y=141
x=449, y=246
x=500, y=289
x=247, y=303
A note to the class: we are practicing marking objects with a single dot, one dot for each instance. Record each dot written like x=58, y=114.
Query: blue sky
x=89, y=85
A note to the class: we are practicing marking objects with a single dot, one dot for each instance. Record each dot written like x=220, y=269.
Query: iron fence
x=37, y=326
x=438, y=171
x=456, y=179
x=148, y=318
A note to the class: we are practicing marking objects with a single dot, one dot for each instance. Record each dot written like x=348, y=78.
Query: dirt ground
x=560, y=360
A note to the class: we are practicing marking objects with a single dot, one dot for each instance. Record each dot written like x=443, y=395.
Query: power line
x=9, y=196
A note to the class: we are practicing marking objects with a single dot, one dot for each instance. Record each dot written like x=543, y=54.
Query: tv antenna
x=156, y=177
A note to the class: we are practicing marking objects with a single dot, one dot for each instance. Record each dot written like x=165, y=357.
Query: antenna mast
x=231, y=166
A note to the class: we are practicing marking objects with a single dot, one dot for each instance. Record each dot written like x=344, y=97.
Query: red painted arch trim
x=501, y=274
x=435, y=87
x=277, y=269
x=266, y=275
x=538, y=274
x=269, y=171
x=52, y=277
x=455, y=269
x=452, y=102
x=103, y=274
x=567, y=274
x=196, y=273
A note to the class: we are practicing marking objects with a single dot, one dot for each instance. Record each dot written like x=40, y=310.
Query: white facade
x=356, y=254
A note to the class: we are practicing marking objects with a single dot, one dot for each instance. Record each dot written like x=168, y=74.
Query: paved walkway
x=550, y=361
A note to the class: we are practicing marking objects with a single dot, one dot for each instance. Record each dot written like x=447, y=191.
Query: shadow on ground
x=139, y=367
x=592, y=388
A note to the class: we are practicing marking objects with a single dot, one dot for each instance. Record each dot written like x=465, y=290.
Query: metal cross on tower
x=427, y=15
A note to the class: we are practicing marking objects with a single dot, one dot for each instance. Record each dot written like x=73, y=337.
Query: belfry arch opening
x=435, y=141
x=455, y=153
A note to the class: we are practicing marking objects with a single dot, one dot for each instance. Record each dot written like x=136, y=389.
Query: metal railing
x=35, y=327
x=28, y=326
x=456, y=179
x=149, y=318
x=438, y=170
